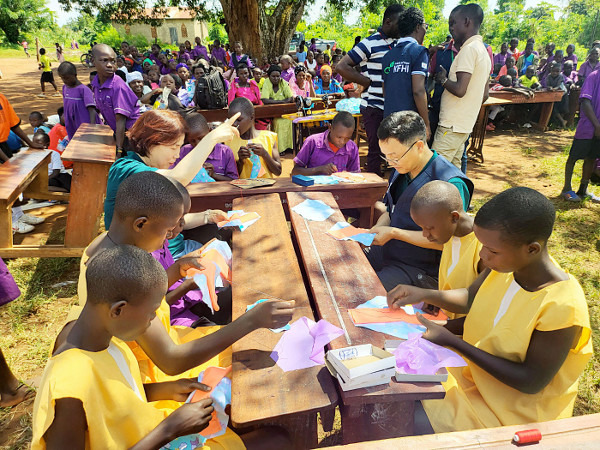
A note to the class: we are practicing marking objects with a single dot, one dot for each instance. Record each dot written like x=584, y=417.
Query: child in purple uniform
x=586, y=144
x=571, y=56
x=220, y=164
x=78, y=100
x=115, y=100
x=331, y=151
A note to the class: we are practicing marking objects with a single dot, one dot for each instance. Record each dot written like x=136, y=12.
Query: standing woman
x=59, y=53
x=276, y=90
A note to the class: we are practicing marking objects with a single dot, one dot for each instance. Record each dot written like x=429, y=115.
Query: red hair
x=156, y=127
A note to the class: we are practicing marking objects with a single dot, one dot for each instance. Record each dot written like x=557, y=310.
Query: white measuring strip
x=335, y=305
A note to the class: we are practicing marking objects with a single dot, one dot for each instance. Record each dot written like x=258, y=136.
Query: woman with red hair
x=156, y=138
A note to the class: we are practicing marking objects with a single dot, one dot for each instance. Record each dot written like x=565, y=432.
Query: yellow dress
x=268, y=139
x=501, y=321
x=458, y=265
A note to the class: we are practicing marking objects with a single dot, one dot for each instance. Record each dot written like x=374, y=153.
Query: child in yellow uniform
x=148, y=207
x=262, y=143
x=91, y=394
x=526, y=336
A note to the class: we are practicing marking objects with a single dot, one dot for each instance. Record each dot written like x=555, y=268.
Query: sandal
x=570, y=196
x=592, y=197
x=16, y=399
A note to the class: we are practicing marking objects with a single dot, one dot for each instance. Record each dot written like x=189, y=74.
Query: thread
x=527, y=436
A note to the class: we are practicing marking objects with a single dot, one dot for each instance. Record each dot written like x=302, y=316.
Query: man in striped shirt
x=367, y=55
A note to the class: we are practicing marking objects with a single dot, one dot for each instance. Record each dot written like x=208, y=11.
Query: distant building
x=178, y=26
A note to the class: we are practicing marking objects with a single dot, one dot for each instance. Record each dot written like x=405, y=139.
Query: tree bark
x=262, y=32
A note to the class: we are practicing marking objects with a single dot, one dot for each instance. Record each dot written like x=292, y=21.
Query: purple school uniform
x=8, y=288
x=75, y=102
x=180, y=310
x=316, y=152
x=337, y=77
x=220, y=54
x=288, y=74
x=166, y=70
x=573, y=58
x=591, y=91
x=154, y=59
x=200, y=51
x=586, y=69
x=499, y=58
x=115, y=97
x=221, y=158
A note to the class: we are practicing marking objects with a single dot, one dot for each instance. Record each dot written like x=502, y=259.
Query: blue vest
x=443, y=58
x=396, y=251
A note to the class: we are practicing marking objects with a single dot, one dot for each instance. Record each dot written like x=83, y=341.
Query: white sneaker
x=22, y=227
x=31, y=219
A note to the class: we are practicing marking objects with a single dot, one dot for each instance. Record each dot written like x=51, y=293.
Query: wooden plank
x=264, y=260
x=538, y=97
x=92, y=143
x=582, y=432
x=88, y=189
x=40, y=251
x=20, y=171
x=220, y=195
x=341, y=278
x=6, y=234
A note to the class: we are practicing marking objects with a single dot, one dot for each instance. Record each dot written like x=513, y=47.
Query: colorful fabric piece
x=343, y=231
x=420, y=356
x=257, y=168
x=203, y=177
x=274, y=330
x=313, y=210
x=216, y=272
x=239, y=218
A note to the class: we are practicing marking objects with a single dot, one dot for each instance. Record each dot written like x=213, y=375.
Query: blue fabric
x=406, y=59
x=398, y=203
x=443, y=58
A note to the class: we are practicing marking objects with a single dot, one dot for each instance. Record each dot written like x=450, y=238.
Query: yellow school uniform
x=268, y=139
x=501, y=321
x=458, y=265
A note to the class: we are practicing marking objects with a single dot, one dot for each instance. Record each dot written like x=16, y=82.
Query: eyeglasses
x=397, y=161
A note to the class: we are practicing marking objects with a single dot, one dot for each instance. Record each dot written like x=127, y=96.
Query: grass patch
x=528, y=151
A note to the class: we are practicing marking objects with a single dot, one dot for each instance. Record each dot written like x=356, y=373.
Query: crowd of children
x=130, y=353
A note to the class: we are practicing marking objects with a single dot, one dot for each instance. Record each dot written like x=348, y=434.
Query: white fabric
x=55, y=163
x=513, y=288
x=124, y=368
x=455, y=254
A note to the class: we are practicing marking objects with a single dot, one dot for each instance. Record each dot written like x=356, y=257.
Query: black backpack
x=211, y=91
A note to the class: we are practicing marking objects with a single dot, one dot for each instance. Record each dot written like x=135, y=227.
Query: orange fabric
x=244, y=218
x=347, y=232
x=212, y=376
x=8, y=118
x=333, y=147
x=212, y=260
x=354, y=177
x=384, y=315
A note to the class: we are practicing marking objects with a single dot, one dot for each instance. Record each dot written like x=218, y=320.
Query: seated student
x=148, y=208
x=173, y=101
x=220, y=164
x=402, y=138
x=327, y=85
x=529, y=80
x=510, y=63
x=331, y=151
x=505, y=83
x=58, y=134
x=37, y=121
x=526, y=336
x=438, y=209
x=555, y=81
x=276, y=90
x=570, y=74
x=251, y=141
x=302, y=85
x=244, y=86
x=59, y=180
x=92, y=394
x=320, y=60
x=154, y=76
x=78, y=100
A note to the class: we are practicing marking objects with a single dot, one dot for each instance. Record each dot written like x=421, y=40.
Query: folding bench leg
x=6, y=235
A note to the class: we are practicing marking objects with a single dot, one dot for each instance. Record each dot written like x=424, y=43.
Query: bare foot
x=22, y=393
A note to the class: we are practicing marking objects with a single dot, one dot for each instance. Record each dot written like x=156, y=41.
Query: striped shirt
x=368, y=54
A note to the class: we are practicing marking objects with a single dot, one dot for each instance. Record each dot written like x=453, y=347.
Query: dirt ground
x=510, y=156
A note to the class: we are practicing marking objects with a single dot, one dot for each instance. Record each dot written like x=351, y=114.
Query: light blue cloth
x=365, y=239
x=313, y=210
x=398, y=329
x=323, y=179
x=274, y=330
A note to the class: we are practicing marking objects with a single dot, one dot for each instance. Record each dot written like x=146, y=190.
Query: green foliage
x=20, y=16
x=217, y=31
x=111, y=37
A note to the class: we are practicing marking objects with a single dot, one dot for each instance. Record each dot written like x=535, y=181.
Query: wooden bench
x=92, y=151
x=26, y=173
x=361, y=196
x=341, y=278
x=264, y=260
x=582, y=432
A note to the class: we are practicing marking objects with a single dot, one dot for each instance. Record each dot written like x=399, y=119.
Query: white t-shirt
x=460, y=114
x=55, y=163
x=309, y=65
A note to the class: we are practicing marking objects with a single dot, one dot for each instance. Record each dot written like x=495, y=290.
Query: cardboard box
x=358, y=360
x=439, y=377
x=365, y=381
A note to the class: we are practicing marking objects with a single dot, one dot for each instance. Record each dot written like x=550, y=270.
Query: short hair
x=438, y=194
x=273, y=68
x=41, y=134
x=521, y=214
x=156, y=127
x=124, y=272
x=343, y=118
x=512, y=72
x=568, y=62
x=394, y=8
x=404, y=126
x=146, y=194
x=42, y=51
x=555, y=65
x=196, y=122
x=185, y=194
x=559, y=51
x=241, y=104
x=472, y=11
x=505, y=80
x=241, y=66
x=60, y=111
x=36, y=115
x=409, y=20
x=67, y=68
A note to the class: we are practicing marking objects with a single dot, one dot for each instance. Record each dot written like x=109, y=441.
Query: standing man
x=367, y=54
x=405, y=68
x=465, y=86
x=26, y=48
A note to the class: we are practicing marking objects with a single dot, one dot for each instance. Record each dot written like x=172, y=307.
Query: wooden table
x=92, y=151
x=299, y=121
x=582, y=432
x=341, y=278
x=361, y=196
x=264, y=260
x=546, y=98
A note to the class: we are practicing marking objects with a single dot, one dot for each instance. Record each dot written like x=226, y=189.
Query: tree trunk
x=262, y=32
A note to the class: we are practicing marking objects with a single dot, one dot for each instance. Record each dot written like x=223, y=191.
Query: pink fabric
x=301, y=92
x=252, y=93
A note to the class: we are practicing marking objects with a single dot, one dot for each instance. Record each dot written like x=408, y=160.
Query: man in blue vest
x=403, y=141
